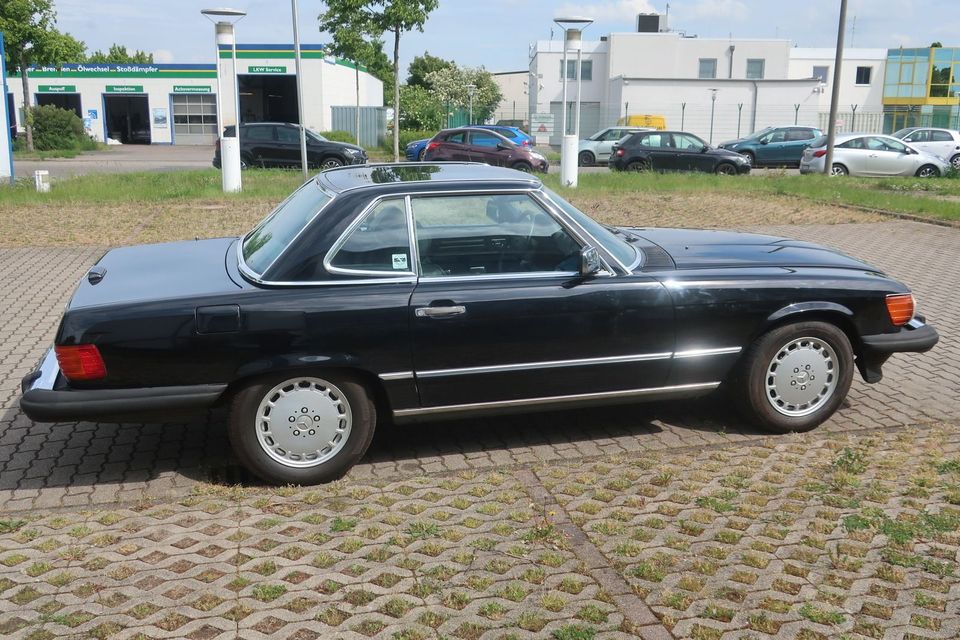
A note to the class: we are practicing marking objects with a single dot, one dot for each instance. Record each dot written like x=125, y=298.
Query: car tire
x=749, y=156
x=839, y=170
x=725, y=169
x=955, y=162
x=422, y=155
x=928, y=171
x=638, y=166
x=522, y=166
x=332, y=410
x=246, y=161
x=330, y=162
x=586, y=159
x=795, y=377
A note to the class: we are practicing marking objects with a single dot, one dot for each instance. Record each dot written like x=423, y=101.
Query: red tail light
x=900, y=308
x=619, y=153
x=819, y=153
x=81, y=362
x=526, y=143
x=432, y=145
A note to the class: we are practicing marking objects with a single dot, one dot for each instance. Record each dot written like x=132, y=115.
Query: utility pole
x=835, y=95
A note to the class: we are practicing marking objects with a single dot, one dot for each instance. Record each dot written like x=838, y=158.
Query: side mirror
x=764, y=141
x=705, y=148
x=502, y=147
x=590, y=262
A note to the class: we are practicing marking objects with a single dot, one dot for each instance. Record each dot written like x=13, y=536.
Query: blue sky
x=496, y=33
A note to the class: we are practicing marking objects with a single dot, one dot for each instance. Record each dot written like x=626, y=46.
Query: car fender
x=299, y=362
x=801, y=308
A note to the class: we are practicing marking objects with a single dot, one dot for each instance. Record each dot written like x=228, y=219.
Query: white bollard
x=568, y=161
x=41, y=180
x=230, y=164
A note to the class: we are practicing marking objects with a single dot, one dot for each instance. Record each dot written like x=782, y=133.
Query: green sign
x=188, y=88
x=124, y=88
x=57, y=88
x=266, y=69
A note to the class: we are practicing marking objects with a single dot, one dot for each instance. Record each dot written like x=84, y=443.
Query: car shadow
x=71, y=455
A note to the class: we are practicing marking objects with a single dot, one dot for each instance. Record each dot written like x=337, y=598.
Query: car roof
x=353, y=177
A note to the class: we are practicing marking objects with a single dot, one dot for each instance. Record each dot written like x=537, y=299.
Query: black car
x=389, y=293
x=277, y=144
x=674, y=151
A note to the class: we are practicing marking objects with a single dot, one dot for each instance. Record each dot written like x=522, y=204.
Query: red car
x=472, y=144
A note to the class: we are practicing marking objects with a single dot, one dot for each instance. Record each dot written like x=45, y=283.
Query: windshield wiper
x=629, y=237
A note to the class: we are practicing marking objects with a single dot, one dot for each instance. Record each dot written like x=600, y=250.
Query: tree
x=450, y=86
x=936, y=45
x=378, y=17
x=420, y=110
x=30, y=36
x=118, y=54
x=424, y=65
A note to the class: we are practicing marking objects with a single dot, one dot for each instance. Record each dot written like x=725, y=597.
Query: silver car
x=864, y=154
x=597, y=148
x=940, y=142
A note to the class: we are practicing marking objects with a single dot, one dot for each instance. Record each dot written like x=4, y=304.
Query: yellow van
x=644, y=120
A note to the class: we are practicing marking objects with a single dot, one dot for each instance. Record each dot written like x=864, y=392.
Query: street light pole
x=296, y=55
x=572, y=37
x=471, y=89
x=835, y=95
x=228, y=108
x=713, y=107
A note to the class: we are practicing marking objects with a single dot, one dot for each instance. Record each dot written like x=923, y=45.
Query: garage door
x=194, y=118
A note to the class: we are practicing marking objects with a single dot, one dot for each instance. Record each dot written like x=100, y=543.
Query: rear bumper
x=46, y=399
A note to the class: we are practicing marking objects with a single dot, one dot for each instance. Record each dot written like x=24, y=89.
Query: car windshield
x=269, y=238
x=621, y=249
x=819, y=142
x=316, y=136
x=760, y=134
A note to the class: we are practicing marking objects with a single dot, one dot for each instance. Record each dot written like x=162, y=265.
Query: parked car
x=861, y=154
x=389, y=293
x=596, y=149
x=940, y=142
x=644, y=120
x=277, y=144
x=483, y=145
x=774, y=146
x=415, y=150
x=513, y=134
x=674, y=151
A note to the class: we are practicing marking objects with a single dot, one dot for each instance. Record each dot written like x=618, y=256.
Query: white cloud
x=163, y=56
x=614, y=10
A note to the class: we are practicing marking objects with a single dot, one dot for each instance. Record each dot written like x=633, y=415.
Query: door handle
x=440, y=312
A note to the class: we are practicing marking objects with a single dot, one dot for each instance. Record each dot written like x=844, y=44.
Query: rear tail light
x=901, y=308
x=819, y=153
x=619, y=153
x=81, y=362
x=526, y=143
x=432, y=145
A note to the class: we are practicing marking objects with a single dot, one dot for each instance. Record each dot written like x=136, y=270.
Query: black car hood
x=700, y=249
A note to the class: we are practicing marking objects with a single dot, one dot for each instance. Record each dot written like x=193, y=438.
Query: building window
x=821, y=74
x=755, y=68
x=586, y=70
x=708, y=68
x=863, y=75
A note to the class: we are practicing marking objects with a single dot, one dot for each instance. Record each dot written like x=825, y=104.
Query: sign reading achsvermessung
x=190, y=88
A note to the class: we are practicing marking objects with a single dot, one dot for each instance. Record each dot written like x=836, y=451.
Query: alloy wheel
x=802, y=376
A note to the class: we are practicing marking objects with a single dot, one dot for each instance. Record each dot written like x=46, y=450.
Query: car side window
x=490, y=234
x=880, y=144
x=940, y=136
x=288, y=134
x=459, y=138
x=796, y=135
x=923, y=135
x=378, y=245
x=613, y=135
x=687, y=143
x=656, y=140
x=856, y=143
x=478, y=139
x=259, y=134
x=777, y=135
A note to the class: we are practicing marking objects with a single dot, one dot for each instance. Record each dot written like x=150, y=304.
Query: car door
x=605, y=144
x=943, y=144
x=853, y=154
x=288, y=145
x=920, y=139
x=454, y=147
x=484, y=146
x=258, y=141
x=888, y=157
x=690, y=153
x=658, y=147
x=500, y=314
x=795, y=141
x=770, y=148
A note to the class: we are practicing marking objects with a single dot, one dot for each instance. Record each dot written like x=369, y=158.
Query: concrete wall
x=515, y=102
x=868, y=98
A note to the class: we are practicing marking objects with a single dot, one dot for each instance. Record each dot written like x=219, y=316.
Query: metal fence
x=373, y=123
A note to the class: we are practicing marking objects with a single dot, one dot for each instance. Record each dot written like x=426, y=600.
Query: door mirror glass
x=502, y=147
x=590, y=262
x=765, y=141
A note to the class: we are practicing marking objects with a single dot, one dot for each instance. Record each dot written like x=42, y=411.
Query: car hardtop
x=446, y=133
x=434, y=176
x=636, y=135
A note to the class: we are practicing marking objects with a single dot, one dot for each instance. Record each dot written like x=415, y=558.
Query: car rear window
x=269, y=238
x=819, y=142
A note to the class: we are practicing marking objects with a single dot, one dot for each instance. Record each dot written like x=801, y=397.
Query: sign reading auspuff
x=57, y=88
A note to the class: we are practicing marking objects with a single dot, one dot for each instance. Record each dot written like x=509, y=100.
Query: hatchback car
x=277, y=144
x=775, y=146
x=597, y=148
x=380, y=294
x=860, y=154
x=515, y=135
x=416, y=150
x=483, y=145
x=674, y=151
x=940, y=142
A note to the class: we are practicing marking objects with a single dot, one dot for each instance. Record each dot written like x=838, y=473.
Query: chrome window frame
x=345, y=236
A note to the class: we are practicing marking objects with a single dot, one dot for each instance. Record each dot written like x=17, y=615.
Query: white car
x=597, y=148
x=864, y=154
x=940, y=142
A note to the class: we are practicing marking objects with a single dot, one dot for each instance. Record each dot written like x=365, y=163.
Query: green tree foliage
x=450, y=86
x=31, y=38
x=118, y=54
x=424, y=65
x=56, y=129
x=419, y=109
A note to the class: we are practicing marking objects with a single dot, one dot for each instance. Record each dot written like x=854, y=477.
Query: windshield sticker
x=400, y=261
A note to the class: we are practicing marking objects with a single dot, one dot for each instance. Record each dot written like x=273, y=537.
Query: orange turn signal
x=900, y=307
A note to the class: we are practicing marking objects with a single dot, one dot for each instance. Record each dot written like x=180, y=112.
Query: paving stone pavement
x=81, y=464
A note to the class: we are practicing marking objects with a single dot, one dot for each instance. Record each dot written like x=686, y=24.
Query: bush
x=339, y=136
x=406, y=137
x=57, y=129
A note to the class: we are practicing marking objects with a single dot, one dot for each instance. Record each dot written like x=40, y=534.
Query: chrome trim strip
x=396, y=375
x=699, y=353
x=342, y=240
x=534, y=182
x=611, y=395
x=550, y=364
x=501, y=276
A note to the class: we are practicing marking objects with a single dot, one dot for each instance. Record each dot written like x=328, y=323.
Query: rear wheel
x=587, y=159
x=726, y=169
x=839, y=170
x=302, y=429
x=795, y=377
x=522, y=166
x=638, y=166
x=331, y=163
x=928, y=171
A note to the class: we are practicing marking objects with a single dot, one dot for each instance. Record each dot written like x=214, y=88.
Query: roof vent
x=651, y=23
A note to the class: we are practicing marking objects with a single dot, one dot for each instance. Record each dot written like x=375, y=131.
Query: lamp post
x=296, y=55
x=471, y=89
x=227, y=109
x=957, y=95
x=573, y=27
x=713, y=108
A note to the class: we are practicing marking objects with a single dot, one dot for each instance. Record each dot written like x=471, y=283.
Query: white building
x=515, y=103
x=861, y=84
x=730, y=87
x=176, y=103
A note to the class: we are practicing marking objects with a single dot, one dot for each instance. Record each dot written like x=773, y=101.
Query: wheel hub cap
x=303, y=422
x=801, y=377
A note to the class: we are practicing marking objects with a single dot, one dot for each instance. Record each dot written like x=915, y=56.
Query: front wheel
x=422, y=155
x=795, y=377
x=522, y=166
x=726, y=169
x=302, y=429
x=331, y=163
x=928, y=171
x=955, y=162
